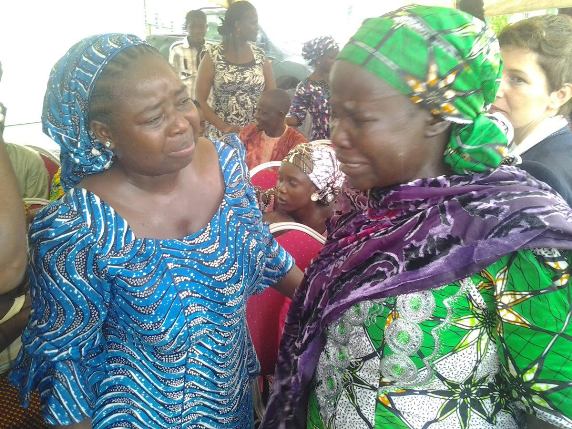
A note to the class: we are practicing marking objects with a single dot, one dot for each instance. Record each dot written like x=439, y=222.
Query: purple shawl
x=411, y=237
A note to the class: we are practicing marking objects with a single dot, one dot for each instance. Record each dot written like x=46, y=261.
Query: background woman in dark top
x=535, y=95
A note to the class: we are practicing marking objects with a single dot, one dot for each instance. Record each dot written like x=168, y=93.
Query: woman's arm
x=300, y=105
x=12, y=227
x=70, y=289
x=269, y=82
x=534, y=339
x=290, y=282
x=205, y=79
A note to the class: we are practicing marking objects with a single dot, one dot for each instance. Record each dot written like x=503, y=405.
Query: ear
x=436, y=126
x=101, y=132
x=560, y=97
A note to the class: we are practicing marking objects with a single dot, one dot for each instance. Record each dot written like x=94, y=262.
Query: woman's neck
x=318, y=75
x=276, y=131
x=161, y=184
x=315, y=217
x=236, y=46
x=523, y=132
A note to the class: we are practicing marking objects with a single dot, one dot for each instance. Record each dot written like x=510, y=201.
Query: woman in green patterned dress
x=445, y=300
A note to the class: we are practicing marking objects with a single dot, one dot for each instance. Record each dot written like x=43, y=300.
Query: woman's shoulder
x=258, y=52
x=231, y=153
x=310, y=86
x=216, y=51
x=527, y=270
x=77, y=212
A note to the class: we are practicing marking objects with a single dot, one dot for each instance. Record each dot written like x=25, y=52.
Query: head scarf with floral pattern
x=318, y=161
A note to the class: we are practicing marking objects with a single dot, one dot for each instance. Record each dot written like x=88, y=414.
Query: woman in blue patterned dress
x=141, y=272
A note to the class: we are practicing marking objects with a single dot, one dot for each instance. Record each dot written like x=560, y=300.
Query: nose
x=502, y=86
x=338, y=134
x=280, y=187
x=180, y=123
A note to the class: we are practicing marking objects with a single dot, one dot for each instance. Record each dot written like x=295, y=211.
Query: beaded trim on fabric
x=403, y=336
x=336, y=356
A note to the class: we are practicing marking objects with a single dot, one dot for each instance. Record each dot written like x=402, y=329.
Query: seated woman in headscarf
x=140, y=273
x=447, y=301
x=309, y=180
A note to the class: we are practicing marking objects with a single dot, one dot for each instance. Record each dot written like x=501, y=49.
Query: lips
x=351, y=164
x=186, y=150
x=348, y=163
x=494, y=109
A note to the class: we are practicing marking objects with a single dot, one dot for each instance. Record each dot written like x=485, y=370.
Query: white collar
x=544, y=129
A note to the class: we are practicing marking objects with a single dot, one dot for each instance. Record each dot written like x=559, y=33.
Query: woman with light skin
x=236, y=70
x=140, y=273
x=535, y=94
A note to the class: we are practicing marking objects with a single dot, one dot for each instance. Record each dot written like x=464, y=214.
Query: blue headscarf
x=65, y=112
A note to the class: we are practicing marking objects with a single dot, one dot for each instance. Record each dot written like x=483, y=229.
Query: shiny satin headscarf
x=318, y=161
x=66, y=105
x=447, y=61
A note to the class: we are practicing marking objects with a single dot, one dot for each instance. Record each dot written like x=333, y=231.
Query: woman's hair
x=550, y=37
x=102, y=95
x=233, y=14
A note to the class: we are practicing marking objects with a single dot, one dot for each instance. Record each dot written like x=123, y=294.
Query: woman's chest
x=165, y=293
x=415, y=339
x=238, y=78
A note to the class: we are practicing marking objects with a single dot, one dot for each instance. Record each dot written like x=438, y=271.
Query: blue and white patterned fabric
x=147, y=333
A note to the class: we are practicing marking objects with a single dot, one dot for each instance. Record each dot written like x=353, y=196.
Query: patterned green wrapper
x=447, y=61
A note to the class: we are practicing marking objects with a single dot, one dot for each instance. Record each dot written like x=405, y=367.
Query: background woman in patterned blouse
x=447, y=301
x=312, y=95
x=236, y=70
x=140, y=273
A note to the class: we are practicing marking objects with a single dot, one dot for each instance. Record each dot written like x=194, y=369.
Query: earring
x=314, y=197
x=107, y=144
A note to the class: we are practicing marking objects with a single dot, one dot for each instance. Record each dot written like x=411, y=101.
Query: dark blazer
x=551, y=162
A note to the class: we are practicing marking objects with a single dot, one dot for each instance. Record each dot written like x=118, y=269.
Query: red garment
x=260, y=148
